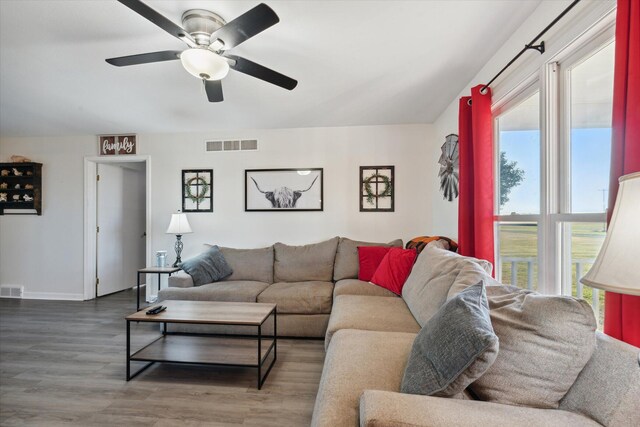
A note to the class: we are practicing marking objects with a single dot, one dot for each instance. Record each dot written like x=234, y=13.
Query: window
x=553, y=174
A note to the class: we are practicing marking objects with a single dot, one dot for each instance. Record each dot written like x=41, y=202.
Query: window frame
x=555, y=156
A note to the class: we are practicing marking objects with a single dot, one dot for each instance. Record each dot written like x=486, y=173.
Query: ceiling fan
x=209, y=37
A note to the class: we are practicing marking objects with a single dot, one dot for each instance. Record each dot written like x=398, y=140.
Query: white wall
x=45, y=254
x=575, y=23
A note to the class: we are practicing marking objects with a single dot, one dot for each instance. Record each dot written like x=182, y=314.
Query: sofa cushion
x=359, y=287
x=357, y=361
x=385, y=408
x=434, y=274
x=207, y=267
x=347, y=264
x=369, y=259
x=250, y=264
x=456, y=346
x=389, y=314
x=607, y=389
x=234, y=291
x=545, y=341
x=305, y=263
x=394, y=269
x=299, y=297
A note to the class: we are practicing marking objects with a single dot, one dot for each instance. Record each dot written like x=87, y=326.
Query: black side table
x=153, y=270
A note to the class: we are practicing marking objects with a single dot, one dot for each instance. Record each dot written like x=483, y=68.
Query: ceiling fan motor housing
x=200, y=23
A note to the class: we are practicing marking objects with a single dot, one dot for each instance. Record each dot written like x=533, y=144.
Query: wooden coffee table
x=240, y=350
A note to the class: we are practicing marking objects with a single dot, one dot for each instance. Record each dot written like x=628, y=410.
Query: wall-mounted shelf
x=26, y=182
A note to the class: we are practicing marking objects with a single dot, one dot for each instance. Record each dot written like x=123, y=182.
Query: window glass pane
x=591, y=103
x=583, y=245
x=519, y=168
x=518, y=261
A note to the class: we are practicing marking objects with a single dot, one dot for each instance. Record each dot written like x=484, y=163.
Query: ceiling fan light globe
x=204, y=64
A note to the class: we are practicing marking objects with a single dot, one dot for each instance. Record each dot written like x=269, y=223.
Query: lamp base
x=178, y=247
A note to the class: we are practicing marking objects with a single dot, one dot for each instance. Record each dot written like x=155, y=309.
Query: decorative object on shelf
x=179, y=225
x=449, y=167
x=197, y=190
x=283, y=190
x=21, y=176
x=109, y=145
x=377, y=188
x=3, y=197
x=161, y=259
x=19, y=159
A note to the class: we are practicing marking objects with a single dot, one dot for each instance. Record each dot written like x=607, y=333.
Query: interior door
x=110, y=218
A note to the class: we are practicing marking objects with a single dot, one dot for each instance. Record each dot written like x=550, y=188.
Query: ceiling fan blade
x=260, y=72
x=214, y=90
x=246, y=26
x=158, y=19
x=145, y=58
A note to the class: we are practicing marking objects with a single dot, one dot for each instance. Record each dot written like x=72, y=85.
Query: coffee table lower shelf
x=207, y=350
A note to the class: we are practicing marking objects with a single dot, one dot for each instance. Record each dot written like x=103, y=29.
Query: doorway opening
x=117, y=223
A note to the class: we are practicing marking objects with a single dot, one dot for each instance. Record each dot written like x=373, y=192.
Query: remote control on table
x=156, y=310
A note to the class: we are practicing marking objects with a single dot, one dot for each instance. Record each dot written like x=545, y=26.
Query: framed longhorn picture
x=268, y=190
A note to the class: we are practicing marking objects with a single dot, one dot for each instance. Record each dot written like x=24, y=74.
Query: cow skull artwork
x=283, y=197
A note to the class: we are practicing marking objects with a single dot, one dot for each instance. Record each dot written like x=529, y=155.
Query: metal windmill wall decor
x=449, y=166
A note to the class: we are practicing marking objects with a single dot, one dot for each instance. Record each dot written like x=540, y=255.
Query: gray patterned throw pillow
x=210, y=266
x=454, y=348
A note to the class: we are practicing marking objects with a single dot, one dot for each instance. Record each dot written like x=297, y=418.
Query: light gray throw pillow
x=210, y=266
x=454, y=348
x=545, y=342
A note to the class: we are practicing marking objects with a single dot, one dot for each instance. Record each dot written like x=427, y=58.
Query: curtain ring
x=469, y=101
x=483, y=90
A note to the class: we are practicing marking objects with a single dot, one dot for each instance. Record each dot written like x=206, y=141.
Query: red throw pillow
x=370, y=258
x=394, y=269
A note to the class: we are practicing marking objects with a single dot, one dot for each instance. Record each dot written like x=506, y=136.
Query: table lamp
x=179, y=225
x=616, y=267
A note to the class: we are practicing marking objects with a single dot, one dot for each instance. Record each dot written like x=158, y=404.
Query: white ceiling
x=357, y=63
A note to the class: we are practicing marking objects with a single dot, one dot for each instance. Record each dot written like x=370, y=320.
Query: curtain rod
x=530, y=45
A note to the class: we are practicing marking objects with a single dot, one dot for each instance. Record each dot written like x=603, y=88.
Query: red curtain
x=622, y=312
x=475, y=146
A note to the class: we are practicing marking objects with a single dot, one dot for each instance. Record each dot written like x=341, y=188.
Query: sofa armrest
x=180, y=280
x=392, y=409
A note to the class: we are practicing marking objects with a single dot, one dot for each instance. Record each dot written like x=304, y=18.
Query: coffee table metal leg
x=129, y=347
x=259, y=357
x=138, y=294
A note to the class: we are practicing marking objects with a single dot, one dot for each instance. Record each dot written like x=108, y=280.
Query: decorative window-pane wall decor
x=283, y=190
x=377, y=188
x=197, y=190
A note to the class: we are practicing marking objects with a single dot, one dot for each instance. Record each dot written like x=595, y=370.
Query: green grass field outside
x=521, y=241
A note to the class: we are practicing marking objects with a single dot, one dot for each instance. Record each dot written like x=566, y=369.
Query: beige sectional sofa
x=300, y=280
x=370, y=337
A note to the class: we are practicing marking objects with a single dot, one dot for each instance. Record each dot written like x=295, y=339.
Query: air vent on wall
x=11, y=291
x=232, y=145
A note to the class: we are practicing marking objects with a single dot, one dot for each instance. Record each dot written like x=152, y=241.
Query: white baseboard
x=53, y=296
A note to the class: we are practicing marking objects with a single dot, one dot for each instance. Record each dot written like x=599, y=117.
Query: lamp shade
x=179, y=224
x=204, y=64
x=616, y=268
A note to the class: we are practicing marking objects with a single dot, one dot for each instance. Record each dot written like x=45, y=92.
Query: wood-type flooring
x=63, y=363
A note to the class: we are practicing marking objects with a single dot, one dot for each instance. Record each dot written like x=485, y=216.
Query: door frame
x=90, y=200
